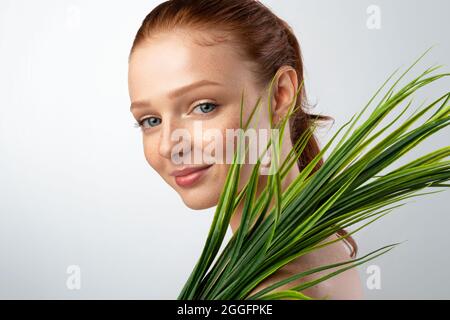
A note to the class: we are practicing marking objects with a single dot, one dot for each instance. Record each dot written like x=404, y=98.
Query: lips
x=188, y=176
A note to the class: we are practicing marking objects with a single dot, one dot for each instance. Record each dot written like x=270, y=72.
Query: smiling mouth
x=189, y=179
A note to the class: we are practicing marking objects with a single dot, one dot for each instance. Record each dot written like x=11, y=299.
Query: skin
x=171, y=60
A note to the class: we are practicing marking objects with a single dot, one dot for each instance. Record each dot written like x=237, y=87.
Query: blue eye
x=205, y=107
x=149, y=122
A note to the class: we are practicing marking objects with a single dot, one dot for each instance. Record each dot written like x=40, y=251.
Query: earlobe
x=276, y=118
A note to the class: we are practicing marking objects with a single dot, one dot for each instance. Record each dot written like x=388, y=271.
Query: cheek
x=151, y=153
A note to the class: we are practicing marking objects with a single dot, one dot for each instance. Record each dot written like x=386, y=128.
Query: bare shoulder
x=346, y=285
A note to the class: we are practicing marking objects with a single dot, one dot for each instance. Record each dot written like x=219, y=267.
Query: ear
x=284, y=92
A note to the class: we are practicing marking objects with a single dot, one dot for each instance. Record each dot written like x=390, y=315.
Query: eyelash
x=141, y=122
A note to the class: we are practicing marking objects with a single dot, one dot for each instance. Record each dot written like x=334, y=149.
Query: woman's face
x=178, y=86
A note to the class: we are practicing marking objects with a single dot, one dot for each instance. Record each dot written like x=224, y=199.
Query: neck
x=235, y=220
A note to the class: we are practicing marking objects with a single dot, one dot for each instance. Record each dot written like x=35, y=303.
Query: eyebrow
x=176, y=93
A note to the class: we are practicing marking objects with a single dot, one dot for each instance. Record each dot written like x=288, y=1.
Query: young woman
x=189, y=64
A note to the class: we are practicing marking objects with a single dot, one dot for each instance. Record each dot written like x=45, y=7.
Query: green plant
x=347, y=189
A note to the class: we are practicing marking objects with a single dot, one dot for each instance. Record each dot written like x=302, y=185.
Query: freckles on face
x=167, y=62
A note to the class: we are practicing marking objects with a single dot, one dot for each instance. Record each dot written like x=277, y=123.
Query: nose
x=173, y=142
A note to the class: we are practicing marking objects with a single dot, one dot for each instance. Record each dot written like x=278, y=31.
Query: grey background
x=74, y=185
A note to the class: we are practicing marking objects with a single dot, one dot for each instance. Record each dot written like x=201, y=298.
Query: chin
x=199, y=200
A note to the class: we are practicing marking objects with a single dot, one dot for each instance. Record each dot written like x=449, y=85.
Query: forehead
x=174, y=59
